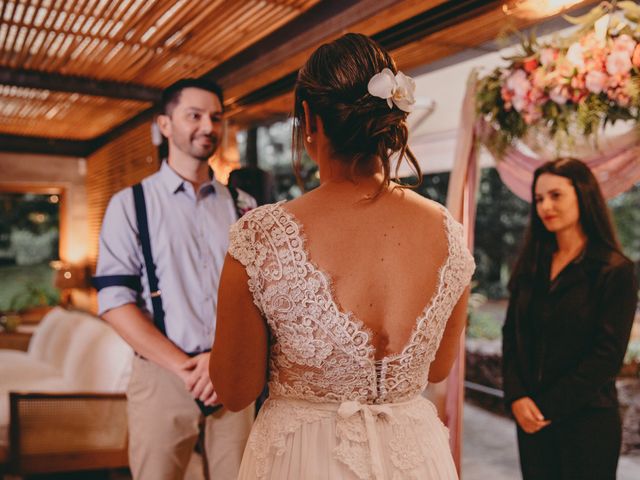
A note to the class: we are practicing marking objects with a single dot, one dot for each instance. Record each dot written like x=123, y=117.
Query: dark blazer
x=564, y=341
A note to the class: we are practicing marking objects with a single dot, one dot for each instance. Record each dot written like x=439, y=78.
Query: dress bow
x=370, y=414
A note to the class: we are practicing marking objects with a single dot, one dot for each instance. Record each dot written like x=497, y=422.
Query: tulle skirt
x=302, y=440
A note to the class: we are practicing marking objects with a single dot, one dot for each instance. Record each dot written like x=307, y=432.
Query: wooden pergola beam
x=74, y=84
x=45, y=145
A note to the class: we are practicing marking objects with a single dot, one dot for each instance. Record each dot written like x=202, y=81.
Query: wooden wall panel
x=115, y=166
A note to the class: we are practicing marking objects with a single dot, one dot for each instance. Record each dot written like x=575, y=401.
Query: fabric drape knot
x=370, y=414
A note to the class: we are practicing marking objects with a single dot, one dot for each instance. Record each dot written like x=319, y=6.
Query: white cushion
x=49, y=341
x=70, y=351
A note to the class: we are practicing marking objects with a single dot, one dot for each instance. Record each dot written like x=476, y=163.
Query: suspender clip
x=155, y=294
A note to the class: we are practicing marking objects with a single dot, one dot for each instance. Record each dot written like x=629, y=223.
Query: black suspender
x=133, y=281
x=234, y=194
x=145, y=244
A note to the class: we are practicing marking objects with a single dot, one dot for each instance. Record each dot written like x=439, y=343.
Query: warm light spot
x=536, y=9
x=67, y=275
x=54, y=199
x=37, y=217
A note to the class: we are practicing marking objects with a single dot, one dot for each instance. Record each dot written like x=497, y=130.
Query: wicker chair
x=65, y=400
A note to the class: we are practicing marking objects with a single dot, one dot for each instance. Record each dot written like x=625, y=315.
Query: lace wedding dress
x=334, y=412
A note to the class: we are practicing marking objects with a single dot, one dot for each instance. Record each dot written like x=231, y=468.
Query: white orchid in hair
x=396, y=89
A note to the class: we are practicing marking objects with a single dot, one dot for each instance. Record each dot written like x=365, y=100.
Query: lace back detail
x=320, y=353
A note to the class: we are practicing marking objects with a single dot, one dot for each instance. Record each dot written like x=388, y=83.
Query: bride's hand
x=528, y=415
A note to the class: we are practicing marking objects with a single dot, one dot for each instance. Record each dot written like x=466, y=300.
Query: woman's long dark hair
x=539, y=243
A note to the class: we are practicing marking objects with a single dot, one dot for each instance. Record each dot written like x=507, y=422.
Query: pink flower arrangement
x=569, y=76
x=592, y=79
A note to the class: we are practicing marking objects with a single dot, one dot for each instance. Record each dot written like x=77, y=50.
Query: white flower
x=396, y=89
x=601, y=27
x=575, y=55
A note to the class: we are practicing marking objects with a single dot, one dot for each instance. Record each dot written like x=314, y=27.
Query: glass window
x=29, y=237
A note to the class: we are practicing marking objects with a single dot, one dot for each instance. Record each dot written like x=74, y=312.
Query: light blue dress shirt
x=189, y=234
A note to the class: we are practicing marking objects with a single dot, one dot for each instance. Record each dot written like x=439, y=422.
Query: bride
x=347, y=300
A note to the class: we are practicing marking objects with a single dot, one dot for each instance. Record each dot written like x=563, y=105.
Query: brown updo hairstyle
x=359, y=126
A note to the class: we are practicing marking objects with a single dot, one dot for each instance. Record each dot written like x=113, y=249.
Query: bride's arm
x=238, y=362
x=448, y=349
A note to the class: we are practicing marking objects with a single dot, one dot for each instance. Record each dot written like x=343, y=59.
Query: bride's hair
x=359, y=126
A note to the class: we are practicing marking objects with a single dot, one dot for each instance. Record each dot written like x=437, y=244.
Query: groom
x=172, y=327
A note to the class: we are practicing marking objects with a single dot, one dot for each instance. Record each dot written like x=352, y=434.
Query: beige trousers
x=165, y=424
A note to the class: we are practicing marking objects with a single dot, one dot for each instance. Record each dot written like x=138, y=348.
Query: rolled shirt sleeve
x=119, y=252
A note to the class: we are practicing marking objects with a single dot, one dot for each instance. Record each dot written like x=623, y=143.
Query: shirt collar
x=175, y=183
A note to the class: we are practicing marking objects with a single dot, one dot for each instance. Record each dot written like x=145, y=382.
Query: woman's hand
x=528, y=415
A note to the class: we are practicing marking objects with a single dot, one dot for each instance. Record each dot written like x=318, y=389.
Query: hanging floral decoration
x=572, y=86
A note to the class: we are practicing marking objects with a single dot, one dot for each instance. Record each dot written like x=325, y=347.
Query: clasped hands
x=528, y=415
x=195, y=374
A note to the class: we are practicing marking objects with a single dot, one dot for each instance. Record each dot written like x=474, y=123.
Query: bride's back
x=383, y=256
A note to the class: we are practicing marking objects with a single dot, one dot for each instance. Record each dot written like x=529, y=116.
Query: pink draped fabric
x=461, y=202
x=617, y=169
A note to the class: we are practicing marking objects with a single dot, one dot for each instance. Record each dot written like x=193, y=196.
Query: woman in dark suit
x=573, y=300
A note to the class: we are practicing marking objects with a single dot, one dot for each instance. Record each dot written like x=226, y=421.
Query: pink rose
x=548, y=56
x=635, y=58
x=520, y=103
x=559, y=95
x=618, y=63
x=518, y=82
x=625, y=44
x=595, y=81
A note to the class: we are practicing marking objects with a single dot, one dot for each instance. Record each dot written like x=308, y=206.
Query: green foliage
x=626, y=217
x=589, y=113
x=32, y=296
x=501, y=219
x=483, y=325
x=24, y=287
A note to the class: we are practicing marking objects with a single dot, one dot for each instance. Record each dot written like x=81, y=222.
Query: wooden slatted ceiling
x=482, y=27
x=148, y=42
x=117, y=165
x=27, y=111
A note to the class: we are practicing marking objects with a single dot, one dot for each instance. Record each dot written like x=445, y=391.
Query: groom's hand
x=528, y=415
x=197, y=380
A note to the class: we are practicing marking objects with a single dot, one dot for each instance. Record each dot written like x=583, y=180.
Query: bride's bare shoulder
x=419, y=206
